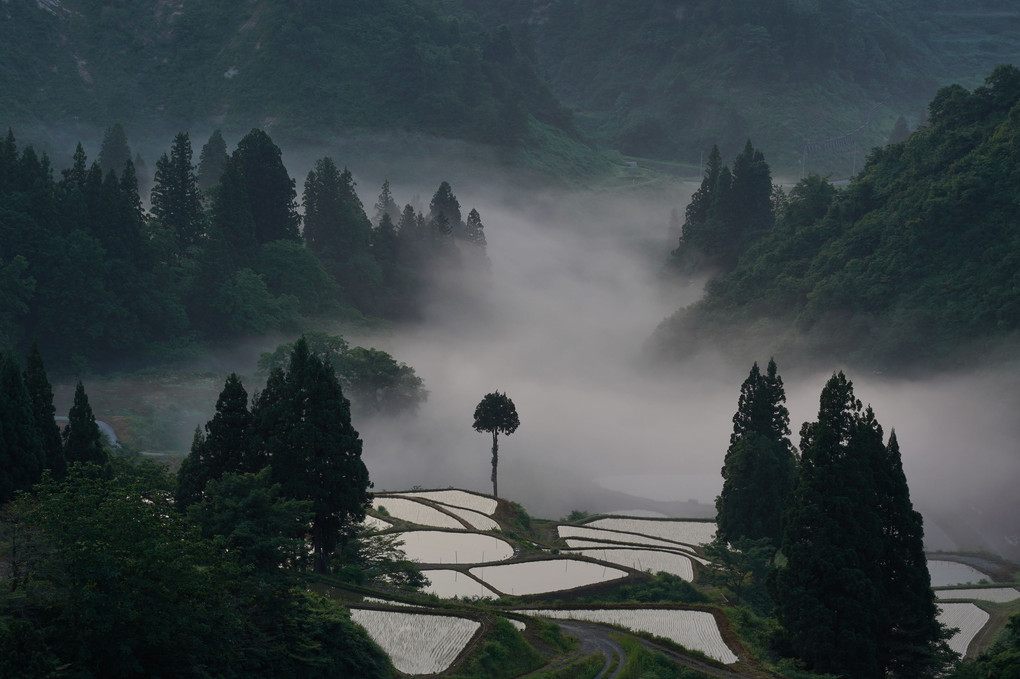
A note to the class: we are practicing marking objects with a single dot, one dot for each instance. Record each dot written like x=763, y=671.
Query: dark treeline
x=913, y=260
x=93, y=278
x=828, y=542
x=115, y=569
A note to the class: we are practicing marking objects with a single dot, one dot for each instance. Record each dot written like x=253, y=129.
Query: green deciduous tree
x=496, y=414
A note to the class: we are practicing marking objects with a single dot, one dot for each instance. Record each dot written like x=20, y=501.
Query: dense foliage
x=853, y=594
x=299, y=427
x=760, y=465
x=668, y=80
x=107, y=579
x=96, y=281
x=309, y=68
x=916, y=257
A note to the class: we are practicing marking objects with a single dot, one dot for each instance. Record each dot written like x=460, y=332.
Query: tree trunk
x=495, y=461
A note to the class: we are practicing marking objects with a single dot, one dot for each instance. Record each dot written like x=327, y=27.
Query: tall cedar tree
x=271, y=195
x=850, y=595
x=731, y=209
x=496, y=414
x=760, y=464
x=21, y=452
x=40, y=392
x=303, y=427
x=386, y=205
x=114, y=153
x=176, y=201
x=336, y=227
x=446, y=204
x=211, y=161
x=226, y=446
x=83, y=442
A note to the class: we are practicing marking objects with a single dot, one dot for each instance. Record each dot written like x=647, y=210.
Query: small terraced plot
x=687, y=532
x=417, y=643
x=1000, y=595
x=441, y=547
x=609, y=536
x=447, y=583
x=458, y=498
x=644, y=560
x=476, y=520
x=416, y=512
x=536, y=577
x=695, y=630
x=948, y=573
x=968, y=618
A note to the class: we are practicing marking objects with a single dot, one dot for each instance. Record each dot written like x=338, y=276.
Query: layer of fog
x=574, y=294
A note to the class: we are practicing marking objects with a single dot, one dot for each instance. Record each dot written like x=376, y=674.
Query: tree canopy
x=496, y=414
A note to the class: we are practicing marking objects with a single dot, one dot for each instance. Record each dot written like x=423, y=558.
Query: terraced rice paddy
x=947, y=573
x=447, y=583
x=687, y=532
x=417, y=643
x=377, y=523
x=457, y=498
x=536, y=577
x=644, y=560
x=1001, y=595
x=968, y=618
x=695, y=630
x=476, y=520
x=607, y=536
x=441, y=547
x=416, y=513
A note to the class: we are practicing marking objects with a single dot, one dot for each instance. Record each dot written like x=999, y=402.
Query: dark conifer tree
x=271, y=195
x=854, y=595
x=83, y=442
x=40, y=393
x=474, y=231
x=914, y=642
x=760, y=465
x=385, y=205
x=176, y=200
x=750, y=214
x=828, y=594
x=233, y=225
x=446, y=204
x=226, y=446
x=303, y=425
x=114, y=152
x=21, y=453
x=211, y=161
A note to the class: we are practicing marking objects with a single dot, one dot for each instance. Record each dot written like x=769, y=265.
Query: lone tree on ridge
x=496, y=413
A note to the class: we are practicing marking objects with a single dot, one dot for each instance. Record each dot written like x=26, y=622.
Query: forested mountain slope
x=298, y=68
x=917, y=258
x=668, y=79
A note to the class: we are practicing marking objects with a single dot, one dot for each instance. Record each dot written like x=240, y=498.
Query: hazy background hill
x=654, y=79
x=299, y=69
x=667, y=79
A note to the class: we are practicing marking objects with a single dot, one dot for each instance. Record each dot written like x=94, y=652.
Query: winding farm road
x=596, y=639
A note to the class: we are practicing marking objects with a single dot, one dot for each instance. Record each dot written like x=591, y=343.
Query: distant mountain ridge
x=668, y=79
x=299, y=68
